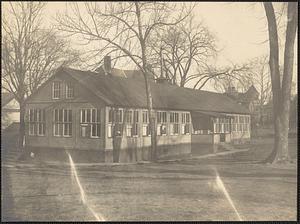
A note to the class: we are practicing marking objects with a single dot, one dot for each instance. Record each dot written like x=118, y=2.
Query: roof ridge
x=129, y=92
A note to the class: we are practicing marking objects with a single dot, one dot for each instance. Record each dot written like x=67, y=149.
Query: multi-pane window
x=161, y=123
x=37, y=122
x=67, y=123
x=57, y=122
x=69, y=90
x=115, y=122
x=56, y=90
x=174, y=123
x=110, y=121
x=90, y=123
x=128, y=120
x=244, y=123
x=32, y=121
x=135, y=128
x=185, y=120
x=118, y=122
x=226, y=125
x=234, y=124
x=62, y=122
x=221, y=125
x=240, y=123
x=146, y=127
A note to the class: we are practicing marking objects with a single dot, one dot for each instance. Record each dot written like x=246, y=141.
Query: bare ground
x=184, y=190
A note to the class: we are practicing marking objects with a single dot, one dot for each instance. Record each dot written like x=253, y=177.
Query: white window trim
x=53, y=84
x=64, y=123
x=31, y=124
x=90, y=123
x=67, y=88
x=146, y=124
x=37, y=123
x=55, y=123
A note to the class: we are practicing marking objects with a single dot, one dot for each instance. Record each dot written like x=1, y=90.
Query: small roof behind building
x=6, y=97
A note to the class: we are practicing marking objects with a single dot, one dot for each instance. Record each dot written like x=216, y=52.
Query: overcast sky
x=240, y=28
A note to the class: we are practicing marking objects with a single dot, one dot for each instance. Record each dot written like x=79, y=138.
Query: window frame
x=36, y=122
x=185, y=123
x=54, y=90
x=60, y=122
x=174, y=122
x=69, y=123
x=89, y=124
x=69, y=86
x=146, y=124
x=161, y=122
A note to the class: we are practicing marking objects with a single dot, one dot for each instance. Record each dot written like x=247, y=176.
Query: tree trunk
x=275, y=78
x=152, y=120
x=116, y=138
x=22, y=126
x=281, y=94
x=288, y=75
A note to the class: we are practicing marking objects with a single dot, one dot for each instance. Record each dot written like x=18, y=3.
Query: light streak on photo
x=221, y=186
x=98, y=217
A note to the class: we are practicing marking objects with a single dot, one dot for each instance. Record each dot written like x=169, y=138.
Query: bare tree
x=222, y=78
x=124, y=29
x=281, y=89
x=260, y=77
x=29, y=53
x=181, y=48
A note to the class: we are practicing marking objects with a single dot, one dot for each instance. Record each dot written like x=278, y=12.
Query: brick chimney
x=107, y=64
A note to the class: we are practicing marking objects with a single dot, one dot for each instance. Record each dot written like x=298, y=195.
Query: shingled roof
x=130, y=92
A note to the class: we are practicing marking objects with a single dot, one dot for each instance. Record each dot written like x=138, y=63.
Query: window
x=174, y=123
x=185, y=120
x=146, y=126
x=41, y=122
x=161, y=123
x=57, y=122
x=221, y=125
x=69, y=91
x=56, y=90
x=90, y=123
x=135, y=128
x=67, y=123
x=95, y=123
x=110, y=120
x=62, y=122
x=37, y=122
x=115, y=122
x=119, y=122
x=32, y=120
x=128, y=120
x=234, y=122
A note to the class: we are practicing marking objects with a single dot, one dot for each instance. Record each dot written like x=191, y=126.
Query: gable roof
x=6, y=97
x=128, y=92
x=245, y=98
x=251, y=94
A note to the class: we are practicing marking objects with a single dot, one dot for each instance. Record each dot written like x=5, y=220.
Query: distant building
x=267, y=113
x=98, y=113
x=10, y=110
x=248, y=99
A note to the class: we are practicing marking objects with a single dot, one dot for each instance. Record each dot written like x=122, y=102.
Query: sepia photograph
x=149, y=111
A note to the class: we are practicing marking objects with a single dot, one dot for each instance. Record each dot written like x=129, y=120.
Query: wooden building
x=99, y=116
x=10, y=110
